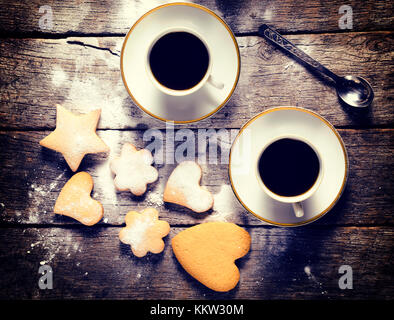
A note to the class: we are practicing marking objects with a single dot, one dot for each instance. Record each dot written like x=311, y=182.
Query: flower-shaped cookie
x=183, y=188
x=133, y=169
x=74, y=200
x=144, y=232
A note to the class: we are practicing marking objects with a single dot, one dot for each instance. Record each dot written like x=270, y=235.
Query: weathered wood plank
x=300, y=263
x=32, y=177
x=83, y=74
x=242, y=16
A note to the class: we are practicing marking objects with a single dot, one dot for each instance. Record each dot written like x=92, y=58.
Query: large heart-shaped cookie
x=74, y=200
x=183, y=188
x=208, y=252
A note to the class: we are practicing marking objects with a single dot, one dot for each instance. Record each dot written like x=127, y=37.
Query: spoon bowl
x=354, y=91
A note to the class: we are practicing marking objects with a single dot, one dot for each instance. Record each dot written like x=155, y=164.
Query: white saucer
x=247, y=148
x=224, y=54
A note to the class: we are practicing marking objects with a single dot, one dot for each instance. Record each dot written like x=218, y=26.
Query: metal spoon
x=352, y=90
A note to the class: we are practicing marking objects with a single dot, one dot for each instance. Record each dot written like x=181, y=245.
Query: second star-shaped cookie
x=75, y=136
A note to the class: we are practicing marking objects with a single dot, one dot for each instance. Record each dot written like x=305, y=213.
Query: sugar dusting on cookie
x=183, y=188
x=74, y=200
x=133, y=169
x=144, y=232
x=137, y=232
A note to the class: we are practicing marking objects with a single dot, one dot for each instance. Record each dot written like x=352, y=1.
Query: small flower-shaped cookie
x=133, y=169
x=144, y=232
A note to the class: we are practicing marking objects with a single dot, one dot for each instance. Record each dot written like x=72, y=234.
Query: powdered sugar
x=155, y=198
x=137, y=231
x=58, y=76
x=143, y=232
x=84, y=92
x=225, y=205
x=133, y=169
x=49, y=243
x=38, y=194
x=185, y=180
x=44, y=190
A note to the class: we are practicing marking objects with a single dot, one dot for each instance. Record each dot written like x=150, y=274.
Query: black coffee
x=179, y=60
x=289, y=167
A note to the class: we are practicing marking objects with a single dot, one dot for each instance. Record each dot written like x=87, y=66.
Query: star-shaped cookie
x=75, y=136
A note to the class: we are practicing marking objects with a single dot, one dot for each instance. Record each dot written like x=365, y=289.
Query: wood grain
x=297, y=263
x=116, y=17
x=32, y=177
x=76, y=64
x=83, y=74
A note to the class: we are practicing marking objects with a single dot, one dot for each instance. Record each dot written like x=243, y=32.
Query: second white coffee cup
x=297, y=200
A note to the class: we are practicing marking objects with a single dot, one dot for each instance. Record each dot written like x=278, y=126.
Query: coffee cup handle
x=298, y=209
x=217, y=84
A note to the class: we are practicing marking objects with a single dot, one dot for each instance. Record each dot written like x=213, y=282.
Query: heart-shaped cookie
x=74, y=200
x=208, y=251
x=183, y=188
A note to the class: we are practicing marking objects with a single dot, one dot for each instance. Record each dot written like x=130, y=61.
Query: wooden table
x=76, y=64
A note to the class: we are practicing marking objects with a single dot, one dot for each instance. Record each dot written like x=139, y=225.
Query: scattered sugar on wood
x=86, y=93
x=224, y=205
x=105, y=184
x=51, y=243
x=58, y=76
x=104, y=188
x=154, y=198
x=267, y=15
x=308, y=272
x=38, y=194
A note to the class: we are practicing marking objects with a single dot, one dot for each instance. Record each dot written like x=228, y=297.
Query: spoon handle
x=275, y=37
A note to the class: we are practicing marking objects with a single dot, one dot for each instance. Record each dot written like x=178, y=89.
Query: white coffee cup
x=208, y=78
x=296, y=201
